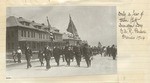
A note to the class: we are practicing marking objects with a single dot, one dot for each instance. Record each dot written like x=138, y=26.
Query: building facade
x=21, y=32
x=68, y=38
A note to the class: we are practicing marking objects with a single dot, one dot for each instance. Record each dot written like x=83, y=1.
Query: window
x=28, y=33
x=27, y=24
x=22, y=33
x=39, y=35
x=34, y=34
x=43, y=36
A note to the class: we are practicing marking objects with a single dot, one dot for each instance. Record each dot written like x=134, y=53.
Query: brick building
x=22, y=32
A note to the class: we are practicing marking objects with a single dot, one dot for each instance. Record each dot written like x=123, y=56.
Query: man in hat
x=68, y=53
x=77, y=52
x=108, y=51
x=113, y=52
x=28, y=55
x=56, y=54
x=86, y=54
x=41, y=57
x=19, y=53
x=47, y=53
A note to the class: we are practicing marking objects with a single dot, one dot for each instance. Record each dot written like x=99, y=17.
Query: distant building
x=68, y=38
x=22, y=32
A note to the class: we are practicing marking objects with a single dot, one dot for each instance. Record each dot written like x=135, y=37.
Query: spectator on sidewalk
x=19, y=53
x=14, y=54
x=41, y=57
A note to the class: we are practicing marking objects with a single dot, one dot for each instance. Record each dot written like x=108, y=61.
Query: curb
x=23, y=62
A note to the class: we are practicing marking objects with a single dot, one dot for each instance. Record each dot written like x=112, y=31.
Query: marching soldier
x=91, y=55
x=71, y=53
x=77, y=52
x=56, y=54
x=68, y=54
x=113, y=52
x=28, y=54
x=47, y=53
x=86, y=54
x=108, y=51
x=105, y=51
x=41, y=57
x=63, y=53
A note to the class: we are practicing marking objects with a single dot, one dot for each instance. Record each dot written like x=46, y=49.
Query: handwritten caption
x=130, y=25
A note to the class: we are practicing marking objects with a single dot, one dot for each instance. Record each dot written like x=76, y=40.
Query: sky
x=93, y=23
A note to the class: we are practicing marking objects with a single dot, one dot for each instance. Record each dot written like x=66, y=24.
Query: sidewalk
x=10, y=62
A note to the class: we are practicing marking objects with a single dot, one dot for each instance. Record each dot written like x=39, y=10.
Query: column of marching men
x=67, y=54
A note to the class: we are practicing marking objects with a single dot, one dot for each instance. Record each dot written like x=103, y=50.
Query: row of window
x=25, y=33
x=25, y=23
x=28, y=24
x=31, y=34
x=44, y=36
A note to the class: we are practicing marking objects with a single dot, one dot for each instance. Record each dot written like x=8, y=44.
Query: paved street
x=100, y=65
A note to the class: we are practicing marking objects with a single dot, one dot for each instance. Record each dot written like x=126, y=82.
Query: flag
x=51, y=35
x=49, y=26
x=71, y=28
x=50, y=30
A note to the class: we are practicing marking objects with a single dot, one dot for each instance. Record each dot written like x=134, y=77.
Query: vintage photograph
x=52, y=41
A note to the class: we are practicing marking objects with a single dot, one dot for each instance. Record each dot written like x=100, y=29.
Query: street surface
x=99, y=65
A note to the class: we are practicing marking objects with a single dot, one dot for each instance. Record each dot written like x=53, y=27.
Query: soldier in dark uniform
x=71, y=53
x=68, y=54
x=56, y=54
x=91, y=55
x=63, y=53
x=100, y=50
x=28, y=54
x=47, y=54
x=113, y=52
x=108, y=51
x=41, y=57
x=86, y=54
x=77, y=52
